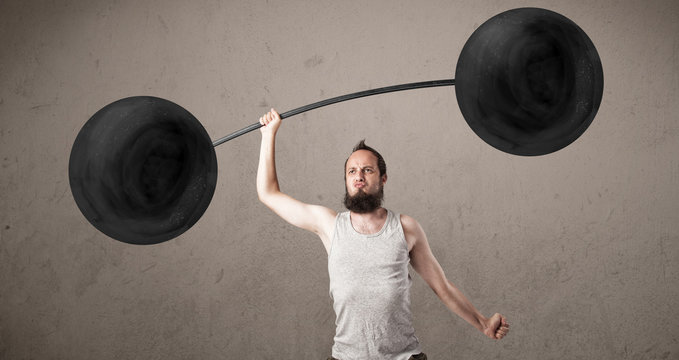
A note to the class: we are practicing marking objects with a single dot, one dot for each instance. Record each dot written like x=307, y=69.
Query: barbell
x=528, y=82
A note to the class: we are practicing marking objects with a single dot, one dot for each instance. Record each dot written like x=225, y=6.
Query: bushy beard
x=362, y=202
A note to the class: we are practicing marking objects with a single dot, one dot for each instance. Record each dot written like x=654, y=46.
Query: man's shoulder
x=408, y=222
x=411, y=230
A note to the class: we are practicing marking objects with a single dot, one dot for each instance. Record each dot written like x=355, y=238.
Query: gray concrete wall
x=578, y=248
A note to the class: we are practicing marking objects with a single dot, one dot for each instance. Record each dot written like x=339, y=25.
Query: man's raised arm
x=317, y=219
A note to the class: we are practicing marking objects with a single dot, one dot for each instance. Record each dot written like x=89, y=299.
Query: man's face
x=364, y=185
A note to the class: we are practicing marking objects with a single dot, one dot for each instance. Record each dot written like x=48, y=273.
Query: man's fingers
x=269, y=117
x=265, y=119
x=501, y=332
x=502, y=329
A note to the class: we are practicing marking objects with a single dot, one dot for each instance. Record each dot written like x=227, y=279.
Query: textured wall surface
x=579, y=248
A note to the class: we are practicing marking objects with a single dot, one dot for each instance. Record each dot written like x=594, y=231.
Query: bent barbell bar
x=334, y=100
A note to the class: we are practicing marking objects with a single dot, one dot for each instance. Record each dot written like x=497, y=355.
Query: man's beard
x=362, y=202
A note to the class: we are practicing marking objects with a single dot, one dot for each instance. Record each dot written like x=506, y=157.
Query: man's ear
x=384, y=179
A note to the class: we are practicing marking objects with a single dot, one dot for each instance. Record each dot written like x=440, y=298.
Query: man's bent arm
x=317, y=219
x=426, y=265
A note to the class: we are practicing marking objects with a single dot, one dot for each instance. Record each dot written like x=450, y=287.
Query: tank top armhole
x=333, y=240
x=401, y=234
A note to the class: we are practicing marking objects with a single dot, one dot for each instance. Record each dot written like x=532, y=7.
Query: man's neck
x=369, y=223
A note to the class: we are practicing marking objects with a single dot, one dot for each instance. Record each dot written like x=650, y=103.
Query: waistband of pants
x=420, y=356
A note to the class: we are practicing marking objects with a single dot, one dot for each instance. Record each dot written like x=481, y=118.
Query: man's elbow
x=267, y=197
x=262, y=191
x=263, y=197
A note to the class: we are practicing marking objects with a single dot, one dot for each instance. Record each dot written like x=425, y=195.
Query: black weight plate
x=529, y=81
x=142, y=170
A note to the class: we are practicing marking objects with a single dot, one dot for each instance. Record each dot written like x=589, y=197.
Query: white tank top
x=370, y=289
